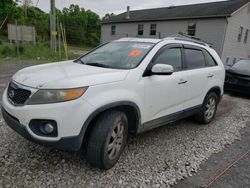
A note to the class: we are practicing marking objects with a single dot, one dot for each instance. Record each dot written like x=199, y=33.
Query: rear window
x=118, y=55
x=194, y=59
x=209, y=59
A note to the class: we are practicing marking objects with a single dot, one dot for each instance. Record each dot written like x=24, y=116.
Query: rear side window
x=209, y=59
x=170, y=56
x=194, y=59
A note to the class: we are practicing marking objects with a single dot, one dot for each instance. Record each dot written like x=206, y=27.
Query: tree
x=40, y=20
x=107, y=16
x=26, y=5
x=9, y=8
x=82, y=27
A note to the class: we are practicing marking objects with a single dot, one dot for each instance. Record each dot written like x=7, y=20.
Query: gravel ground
x=154, y=159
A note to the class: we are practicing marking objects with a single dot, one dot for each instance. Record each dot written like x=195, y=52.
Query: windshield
x=118, y=55
x=242, y=65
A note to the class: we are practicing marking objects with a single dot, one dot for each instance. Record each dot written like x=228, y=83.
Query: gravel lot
x=157, y=158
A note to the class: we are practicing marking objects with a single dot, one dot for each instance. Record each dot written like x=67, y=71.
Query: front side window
x=113, y=30
x=191, y=29
x=140, y=29
x=170, y=56
x=153, y=29
x=240, y=34
x=246, y=36
x=194, y=59
x=117, y=55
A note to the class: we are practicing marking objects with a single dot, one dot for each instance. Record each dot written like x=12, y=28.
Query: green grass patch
x=37, y=53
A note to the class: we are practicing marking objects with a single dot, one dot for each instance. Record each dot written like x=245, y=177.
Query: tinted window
x=113, y=30
x=153, y=29
x=170, y=57
x=192, y=29
x=240, y=34
x=140, y=29
x=194, y=59
x=210, y=61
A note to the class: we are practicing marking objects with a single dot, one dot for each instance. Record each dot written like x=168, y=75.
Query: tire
x=107, y=139
x=208, y=110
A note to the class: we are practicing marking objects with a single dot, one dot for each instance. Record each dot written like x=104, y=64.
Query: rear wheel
x=107, y=139
x=209, y=108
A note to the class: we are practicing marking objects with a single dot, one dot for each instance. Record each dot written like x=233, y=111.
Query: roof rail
x=188, y=38
x=192, y=40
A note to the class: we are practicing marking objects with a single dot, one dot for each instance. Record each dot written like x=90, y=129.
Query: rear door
x=199, y=75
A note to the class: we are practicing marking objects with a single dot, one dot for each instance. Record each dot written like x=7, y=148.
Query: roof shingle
x=205, y=10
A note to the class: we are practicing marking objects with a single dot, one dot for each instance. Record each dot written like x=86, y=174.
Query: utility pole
x=53, y=32
x=26, y=4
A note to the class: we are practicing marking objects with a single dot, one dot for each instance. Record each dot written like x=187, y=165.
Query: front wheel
x=209, y=108
x=107, y=139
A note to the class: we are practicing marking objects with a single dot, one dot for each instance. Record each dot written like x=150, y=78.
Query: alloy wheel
x=116, y=141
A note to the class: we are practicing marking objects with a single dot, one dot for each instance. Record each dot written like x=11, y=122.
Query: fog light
x=48, y=128
x=45, y=128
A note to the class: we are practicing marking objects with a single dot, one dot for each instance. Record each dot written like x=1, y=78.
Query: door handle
x=182, y=81
x=210, y=75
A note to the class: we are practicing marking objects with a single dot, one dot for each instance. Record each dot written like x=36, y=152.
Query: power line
x=37, y=3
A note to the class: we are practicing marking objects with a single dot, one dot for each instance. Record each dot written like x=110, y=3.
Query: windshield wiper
x=80, y=60
x=98, y=65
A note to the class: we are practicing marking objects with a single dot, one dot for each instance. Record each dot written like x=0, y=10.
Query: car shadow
x=238, y=95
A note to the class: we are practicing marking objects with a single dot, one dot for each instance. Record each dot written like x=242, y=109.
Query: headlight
x=55, y=96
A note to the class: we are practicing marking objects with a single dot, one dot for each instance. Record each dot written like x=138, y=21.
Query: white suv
x=123, y=87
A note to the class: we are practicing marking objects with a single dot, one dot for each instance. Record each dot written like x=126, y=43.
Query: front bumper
x=237, y=88
x=69, y=116
x=69, y=144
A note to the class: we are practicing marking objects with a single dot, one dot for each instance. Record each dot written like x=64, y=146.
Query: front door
x=165, y=94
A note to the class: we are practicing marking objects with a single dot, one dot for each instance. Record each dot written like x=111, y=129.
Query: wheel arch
x=217, y=90
x=129, y=108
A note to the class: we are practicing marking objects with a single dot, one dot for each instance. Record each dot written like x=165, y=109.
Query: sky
x=102, y=7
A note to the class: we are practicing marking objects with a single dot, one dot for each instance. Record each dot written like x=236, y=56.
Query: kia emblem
x=11, y=93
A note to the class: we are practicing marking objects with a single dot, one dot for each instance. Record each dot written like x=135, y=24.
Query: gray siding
x=210, y=30
x=232, y=48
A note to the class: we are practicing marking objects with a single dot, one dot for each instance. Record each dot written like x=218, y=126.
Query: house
x=223, y=24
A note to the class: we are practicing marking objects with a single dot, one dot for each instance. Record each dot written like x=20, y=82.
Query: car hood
x=238, y=71
x=67, y=74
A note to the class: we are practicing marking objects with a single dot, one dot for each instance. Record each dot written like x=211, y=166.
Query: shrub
x=21, y=50
x=7, y=51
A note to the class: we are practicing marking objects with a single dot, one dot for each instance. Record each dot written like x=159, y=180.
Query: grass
x=80, y=48
x=37, y=53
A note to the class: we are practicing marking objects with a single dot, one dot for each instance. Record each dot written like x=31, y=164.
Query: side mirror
x=162, y=69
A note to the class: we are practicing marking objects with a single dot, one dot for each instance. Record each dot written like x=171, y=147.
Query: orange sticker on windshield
x=135, y=53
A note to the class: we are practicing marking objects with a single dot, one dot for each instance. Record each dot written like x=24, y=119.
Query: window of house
x=140, y=29
x=113, y=30
x=194, y=59
x=246, y=36
x=234, y=60
x=153, y=29
x=191, y=29
x=240, y=34
x=170, y=56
